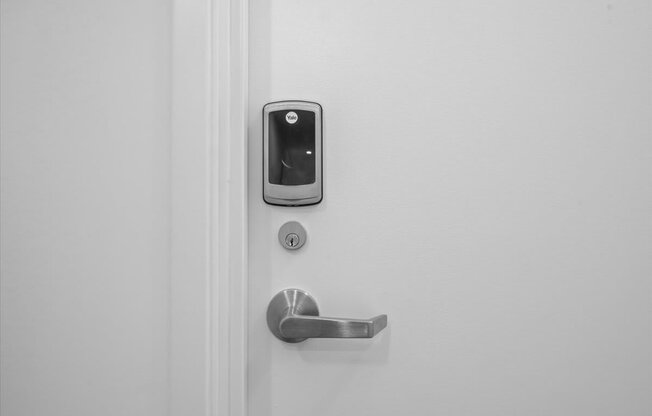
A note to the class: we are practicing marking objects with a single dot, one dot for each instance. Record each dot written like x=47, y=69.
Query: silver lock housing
x=292, y=235
x=292, y=172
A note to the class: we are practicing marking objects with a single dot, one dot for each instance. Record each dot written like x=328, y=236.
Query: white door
x=487, y=186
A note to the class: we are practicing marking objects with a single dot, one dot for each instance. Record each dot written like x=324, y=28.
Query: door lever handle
x=293, y=316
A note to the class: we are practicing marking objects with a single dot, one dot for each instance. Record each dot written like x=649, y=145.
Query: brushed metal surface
x=292, y=235
x=293, y=316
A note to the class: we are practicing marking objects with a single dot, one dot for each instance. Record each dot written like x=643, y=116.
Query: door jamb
x=208, y=217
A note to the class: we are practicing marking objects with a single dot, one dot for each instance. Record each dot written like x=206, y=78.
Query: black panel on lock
x=292, y=153
x=292, y=147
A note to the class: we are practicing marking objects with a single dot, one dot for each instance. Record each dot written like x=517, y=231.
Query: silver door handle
x=293, y=316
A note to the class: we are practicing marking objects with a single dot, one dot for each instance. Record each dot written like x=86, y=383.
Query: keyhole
x=292, y=235
x=292, y=240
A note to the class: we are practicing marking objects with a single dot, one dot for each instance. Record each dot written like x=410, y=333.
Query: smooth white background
x=85, y=207
x=488, y=175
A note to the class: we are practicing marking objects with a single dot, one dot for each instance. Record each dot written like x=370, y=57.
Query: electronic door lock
x=292, y=153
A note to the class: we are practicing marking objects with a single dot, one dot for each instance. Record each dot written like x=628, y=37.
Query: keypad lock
x=292, y=153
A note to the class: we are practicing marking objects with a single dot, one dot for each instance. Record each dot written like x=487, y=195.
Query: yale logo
x=291, y=117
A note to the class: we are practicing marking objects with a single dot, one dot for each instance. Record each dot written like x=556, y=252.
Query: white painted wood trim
x=230, y=197
x=208, y=253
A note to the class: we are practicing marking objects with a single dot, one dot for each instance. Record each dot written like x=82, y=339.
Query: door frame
x=208, y=248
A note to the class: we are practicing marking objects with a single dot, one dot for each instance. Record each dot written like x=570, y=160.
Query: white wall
x=85, y=206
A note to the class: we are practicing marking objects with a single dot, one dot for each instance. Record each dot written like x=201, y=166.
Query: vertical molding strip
x=208, y=217
x=230, y=95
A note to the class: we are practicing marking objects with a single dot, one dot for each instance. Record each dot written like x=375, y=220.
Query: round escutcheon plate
x=296, y=301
